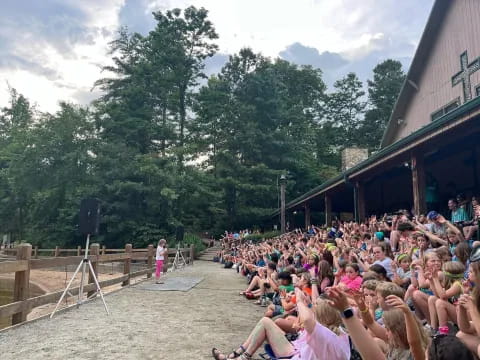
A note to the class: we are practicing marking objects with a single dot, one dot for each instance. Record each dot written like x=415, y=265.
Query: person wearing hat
x=438, y=228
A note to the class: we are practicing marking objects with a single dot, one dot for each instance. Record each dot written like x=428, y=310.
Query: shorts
x=278, y=310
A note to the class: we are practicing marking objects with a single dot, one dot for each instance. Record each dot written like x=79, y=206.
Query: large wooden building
x=430, y=150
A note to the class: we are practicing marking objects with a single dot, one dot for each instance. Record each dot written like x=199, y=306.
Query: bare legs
x=420, y=300
x=394, y=239
x=266, y=330
x=432, y=310
x=287, y=324
x=256, y=282
x=445, y=312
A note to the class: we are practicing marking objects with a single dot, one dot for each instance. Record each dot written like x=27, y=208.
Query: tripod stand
x=83, y=266
x=179, y=261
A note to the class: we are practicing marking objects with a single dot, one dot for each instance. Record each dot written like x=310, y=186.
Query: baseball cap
x=432, y=215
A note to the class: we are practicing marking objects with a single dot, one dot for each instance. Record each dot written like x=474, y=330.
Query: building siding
x=458, y=33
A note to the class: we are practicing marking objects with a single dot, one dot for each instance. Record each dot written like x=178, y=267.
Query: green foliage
x=383, y=90
x=196, y=241
x=161, y=151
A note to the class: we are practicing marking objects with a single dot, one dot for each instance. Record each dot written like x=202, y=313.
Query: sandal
x=235, y=354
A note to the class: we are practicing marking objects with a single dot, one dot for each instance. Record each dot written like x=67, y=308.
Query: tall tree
x=345, y=108
x=383, y=91
x=184, y=42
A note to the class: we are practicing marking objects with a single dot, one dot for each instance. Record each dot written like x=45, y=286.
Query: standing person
x=160, y=256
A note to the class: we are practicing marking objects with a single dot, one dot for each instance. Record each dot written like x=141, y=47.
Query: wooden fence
x=28, y=259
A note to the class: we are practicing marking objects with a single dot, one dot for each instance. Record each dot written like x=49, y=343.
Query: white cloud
x=52, y=49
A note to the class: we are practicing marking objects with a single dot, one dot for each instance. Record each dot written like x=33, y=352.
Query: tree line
x=166, y=146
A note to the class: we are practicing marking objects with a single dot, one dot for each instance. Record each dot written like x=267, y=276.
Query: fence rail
x=27, y=259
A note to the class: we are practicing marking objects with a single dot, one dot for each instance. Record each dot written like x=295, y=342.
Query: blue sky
x=53, y=50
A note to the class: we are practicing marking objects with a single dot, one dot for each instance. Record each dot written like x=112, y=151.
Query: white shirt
x=160, y=251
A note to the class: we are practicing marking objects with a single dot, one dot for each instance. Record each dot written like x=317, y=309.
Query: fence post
x=35, y=252
x=79, y=250
x=21, y=290
x=150, y=260
x=192, y=254
x=57, y=251
x=166, y=260
x=94, y=251
x=103, y=249
x=126, y=264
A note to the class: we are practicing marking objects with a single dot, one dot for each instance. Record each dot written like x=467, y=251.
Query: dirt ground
x=144, y=324
x=56, y=280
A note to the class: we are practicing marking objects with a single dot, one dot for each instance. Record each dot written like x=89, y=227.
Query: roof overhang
x=453, y=119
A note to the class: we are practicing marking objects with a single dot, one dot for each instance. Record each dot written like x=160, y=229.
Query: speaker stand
x=83, y=265
x=179, y=261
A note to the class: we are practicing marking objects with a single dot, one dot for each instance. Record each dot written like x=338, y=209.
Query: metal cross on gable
x=463, y=76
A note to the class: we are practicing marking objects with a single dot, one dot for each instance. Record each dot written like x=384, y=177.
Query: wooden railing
x=22, y=302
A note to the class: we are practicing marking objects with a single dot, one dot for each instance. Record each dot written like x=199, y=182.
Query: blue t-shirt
x=261, y=263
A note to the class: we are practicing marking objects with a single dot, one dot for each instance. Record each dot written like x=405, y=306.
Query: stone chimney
x=353, y=156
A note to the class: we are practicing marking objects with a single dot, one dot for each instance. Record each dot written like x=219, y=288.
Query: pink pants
x=159, y=268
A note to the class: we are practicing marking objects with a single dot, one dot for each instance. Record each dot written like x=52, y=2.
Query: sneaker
x=430, y=331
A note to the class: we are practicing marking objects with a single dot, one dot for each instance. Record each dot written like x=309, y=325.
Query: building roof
x=424, y=49
x=399, y=146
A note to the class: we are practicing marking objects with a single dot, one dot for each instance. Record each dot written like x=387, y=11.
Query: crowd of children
x=398, y=288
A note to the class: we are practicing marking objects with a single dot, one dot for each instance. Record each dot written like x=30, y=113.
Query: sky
x=53, y=50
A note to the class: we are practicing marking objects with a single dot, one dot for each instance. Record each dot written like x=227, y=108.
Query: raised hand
x=441, y=219
x=396, y=302
x=466, y=302
x=427, y=275
x=359, y=298
x=338, y=299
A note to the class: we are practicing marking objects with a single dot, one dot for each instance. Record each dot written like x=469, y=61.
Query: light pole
x=283, y=184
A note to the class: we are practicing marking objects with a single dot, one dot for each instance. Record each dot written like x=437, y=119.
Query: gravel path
x=144, y=324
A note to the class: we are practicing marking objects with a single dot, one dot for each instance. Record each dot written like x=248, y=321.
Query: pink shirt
x=354, y=284
x=321, y=344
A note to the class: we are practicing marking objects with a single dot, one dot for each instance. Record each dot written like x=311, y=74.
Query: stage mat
x=171, y=284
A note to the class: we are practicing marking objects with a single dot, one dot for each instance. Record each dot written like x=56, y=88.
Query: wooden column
x=79, y=250
x=418, y=183
x=360, y=197
x=192, y=254
x=282, y=208
x=35, y=252
x=151, y=254
x=103, y=249
x=21, y=289
x=57, y=251
x=94, y=252
x=328, y=210
x=166, y=261
x=307, y=216
x=126, y=264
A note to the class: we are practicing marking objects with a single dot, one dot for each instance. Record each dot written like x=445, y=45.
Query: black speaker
x=89, y=218
x=179, y=234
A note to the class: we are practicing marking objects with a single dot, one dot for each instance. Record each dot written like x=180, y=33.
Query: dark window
x=451, y=106
x=477, y=90
x=437, y=114
x=446, y=109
